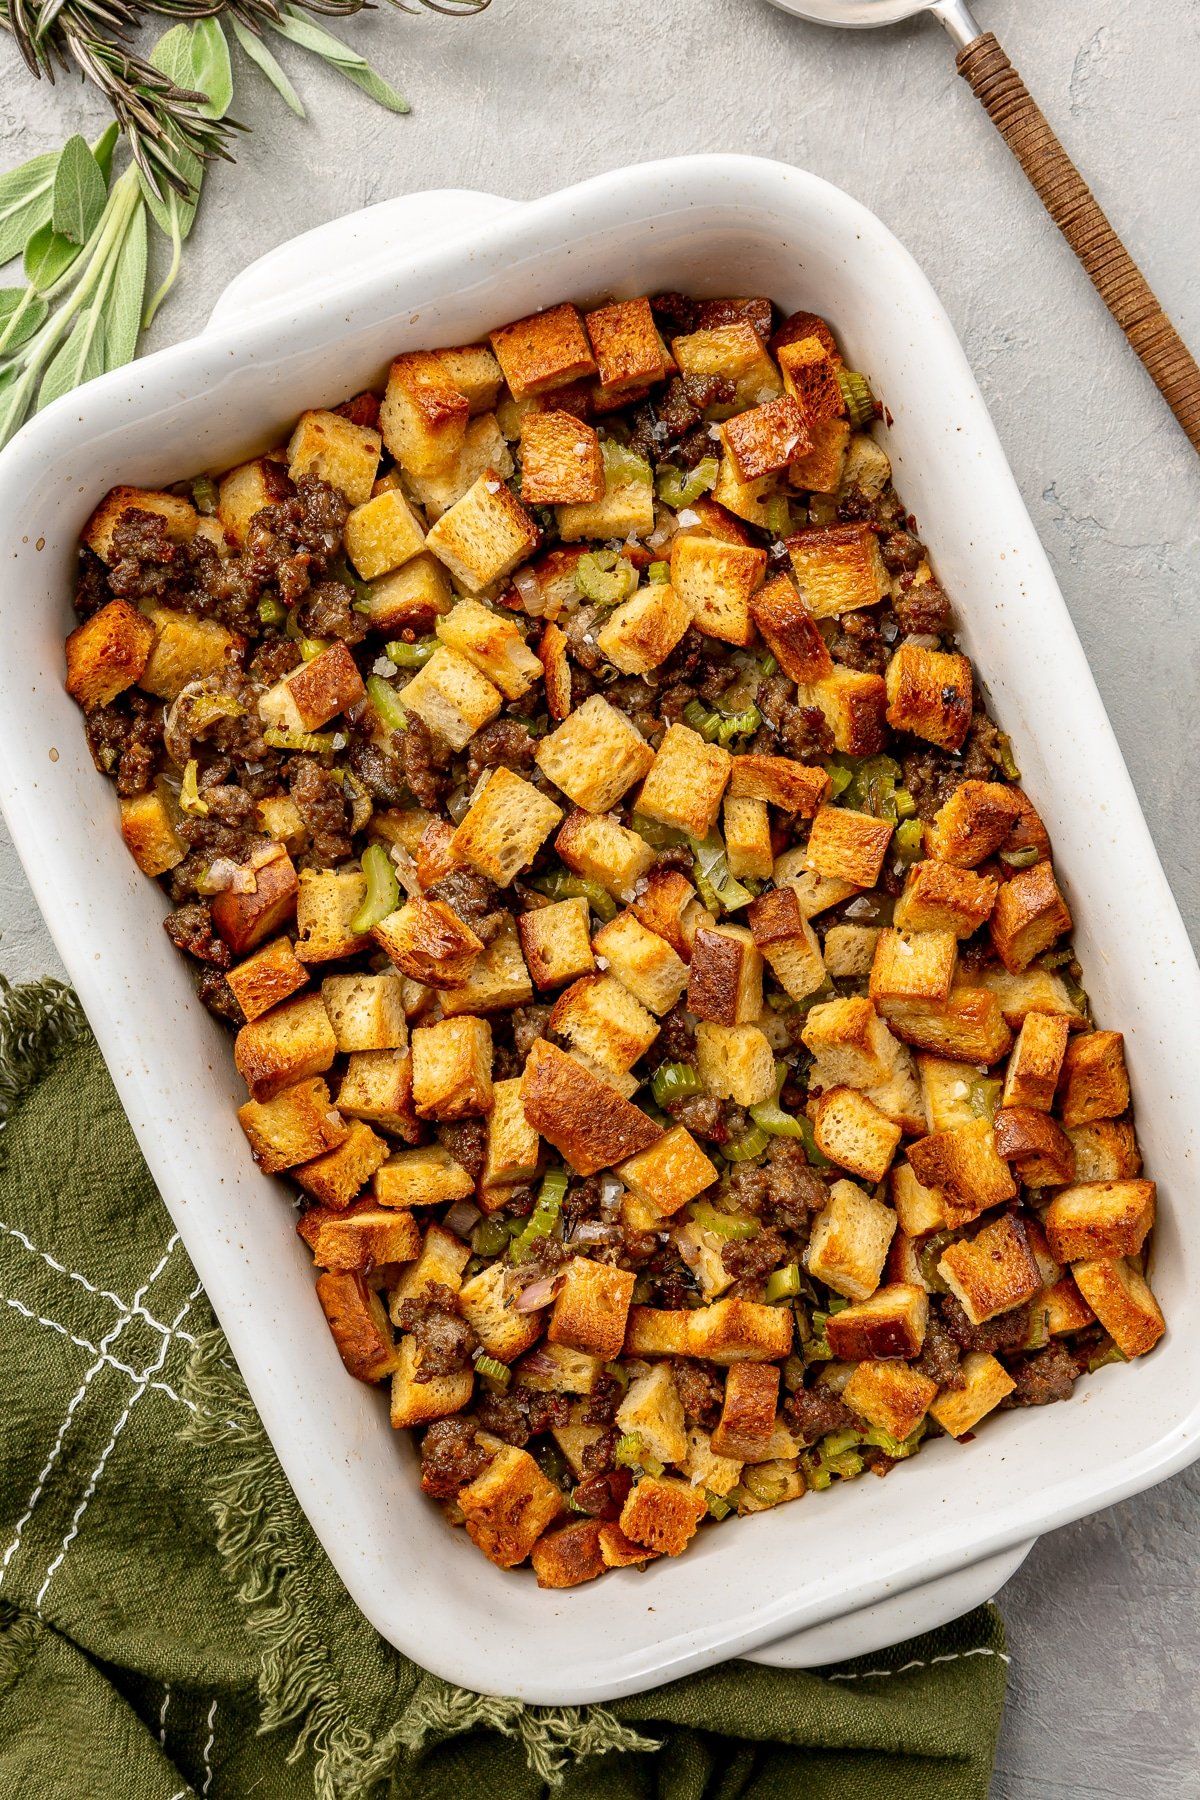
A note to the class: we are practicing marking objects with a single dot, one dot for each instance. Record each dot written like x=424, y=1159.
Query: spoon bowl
x=858, y=15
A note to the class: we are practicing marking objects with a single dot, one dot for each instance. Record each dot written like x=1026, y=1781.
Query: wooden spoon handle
x=1072, y=206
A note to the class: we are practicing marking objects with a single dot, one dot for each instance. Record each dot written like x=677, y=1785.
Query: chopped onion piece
x=406, y=870
x=537, y=1294
x=530, y=590
x=462, y=1217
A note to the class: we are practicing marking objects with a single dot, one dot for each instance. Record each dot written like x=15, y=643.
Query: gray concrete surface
x=1105, y=1695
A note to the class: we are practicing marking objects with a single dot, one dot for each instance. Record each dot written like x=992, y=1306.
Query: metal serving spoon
x=1068, y=199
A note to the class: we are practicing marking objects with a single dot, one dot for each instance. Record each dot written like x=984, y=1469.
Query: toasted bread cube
x=919, y=1209
x=810, y=374
x=626, y=345
x=849, y=1242
x=285, y=1046
x=178, y=514
x=939, y=897
x=716, y=580
x=509, y=1506
x=734, y=351
x=838, y=568
x=929, y=694
x=483, y=448
x=292, y=1128
x=666, y=904
x=992, y=1272
x=339, y=1175
x=851, y=1043
x=1036, y=990
x=1105, y=1150
x=600, y=849
x=777, y=780
x=594, y=755
x=547, y=350
x=560, y=460
x=498, y=980
x=483, y=536
x=853, y=1133
x=327, y=901
x=273, y=974
x=280, y=818
x=603, y=1023
x=766, y=438
x=363, y=1235
x=733, y=1331
x=848, y=846
x=950, y=1092
x=591, y=1308
x=889, y=1395
x=1094, y=1083
x=748, y=839
x=898, y=1096
x=967, y=1024
x=620, y=1552
x=1029, y=915
x=366, y=1011
x=821, y=471
x=663, y=1514
x=556, y=668
x=985, y=1384
x=742, y=499
x=965, y=1163
x=1119, y=1295
x=337, y=451
x=853, y=704
x=185, y=648
x=512, y=1144
x=424, y=413
x=849, y=951
x=493, y=643
x=1100, y=1219
x=358, y=1320
x=1065, y=1308
x=725, y=977
x=915, y=965
x=107, y=654
x=487, y=1302
x=409, y=597
x=245, y=491
x=706, y=1470
x=686, y=781
x=416, y=1402
x=309, y=696
x=558, y=1369
x=383, y=534
x=452, y=1068
x=586, y=1119
x=1037, y=1144
x=642, y=632
x=973, y=823
x=452, y=697
x=569, y=1556
x=475, y=372
x=735, y=1062
x=787, y=941
x=669, y=1174
x=748, y=1414
x=427, y=1176
x=428, y=942
x=555, y=940
x=149, y=831
x=1035, y=1062
x=655, y=1331
x=504, y=829
x=626, y=508
x=642, y=961
x=377, y=1087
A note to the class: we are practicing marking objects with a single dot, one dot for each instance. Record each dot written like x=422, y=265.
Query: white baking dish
x=710, y=224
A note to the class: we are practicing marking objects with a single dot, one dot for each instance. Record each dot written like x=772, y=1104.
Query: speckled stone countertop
x=1102, y=1620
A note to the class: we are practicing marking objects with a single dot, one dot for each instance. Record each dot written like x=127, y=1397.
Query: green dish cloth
x=169, y=1625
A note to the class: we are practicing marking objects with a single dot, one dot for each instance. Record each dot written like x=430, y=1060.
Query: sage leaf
x=258, y=53
x=212, y=72
x=172, y=55
x=79, y=192
x=47, y=256
x=171, y=212
x=80, y=359
x=123, y=312
x=22, y=312
x=339, y=56
x=26, y=202
x=14, y=403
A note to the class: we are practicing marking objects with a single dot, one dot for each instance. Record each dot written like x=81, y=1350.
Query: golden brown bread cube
x=838, y=568
x=965, y=1163
x=339, y=1175
x=716, y=581
x=919, y=1209
x=642, y=632
x=556, y=669
x=790, y=631
x=1094, y=1083
x=441, y=1263
x=1035, y=1062
x=186, y=648
x=309, y=696
x=594, y=755
x=747, y=831
x=383, y=534
x=603, y=1023
x=504, y=829
x=820, y=472
x=643, y=962
x=452, y=1068
x=627, y=508
x=280, y=818
x=1030, y=914
x=560, y=460
x=725, y=976
x=428, y=942
x=484, y=447
x=734, y=1331
x=1036, y=990
x=475, y=372
x=1065, y=1308
x=662, y=1514
x=1119, y=1295
x=1036, y=1143
x=950, y=1092
x=791, y=786
x=889, y=1395
x=591, y=1308
x=929, y=693
x=939, y=897
x=748, y=1411
x=735, y=1062
x=246, y=490
x=295, y=1126
x=666, y=903
x=558, y=1369
x=484, y=535
x=850, y=1041
x=985, y=1384
x=424, y=413
x=626, y=345
x=853, y=1133
x=766, y=438
x=809, y=373
x=556, y=942
x=569, y=1556
x=973, y=823
x=513, y=1145
x=149, y=831
x=366, y=1011
x=107, y=654
x=585, y=1118
x=848, y=846
x=337, y=451
x=358, y=1320
x=707, y=1470
x=272, y=975
x=547, y=350
x=377, y=1087
x=787, y=941
x=853, y=703
x=425, y=1176
x=620, y=1552
x=363, y=1235
x=686, y=781
x=1100, y=1219
x=326, y=902
x=968, y=1024
x=849, y=1242
x=285, y=1046
x=488, y=1303
x=657, y=1331
x=597, y=847
x=913, y=965
x=452, y=697
x=493, y=642
x=992, y=1272
x=1105, y=1150
x=669, y=1174
x=411, y=597
x=415, y=1402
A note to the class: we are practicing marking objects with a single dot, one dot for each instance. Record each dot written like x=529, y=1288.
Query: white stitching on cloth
x=104, y=1359
x=952, y=1656
x=162, y=1715
x=101, y=1293
x=117, y=1430
x=211, y=1722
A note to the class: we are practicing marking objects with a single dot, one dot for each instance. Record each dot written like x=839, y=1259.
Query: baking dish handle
x=330, y=255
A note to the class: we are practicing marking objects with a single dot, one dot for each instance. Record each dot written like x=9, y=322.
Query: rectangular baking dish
x=710, y=225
